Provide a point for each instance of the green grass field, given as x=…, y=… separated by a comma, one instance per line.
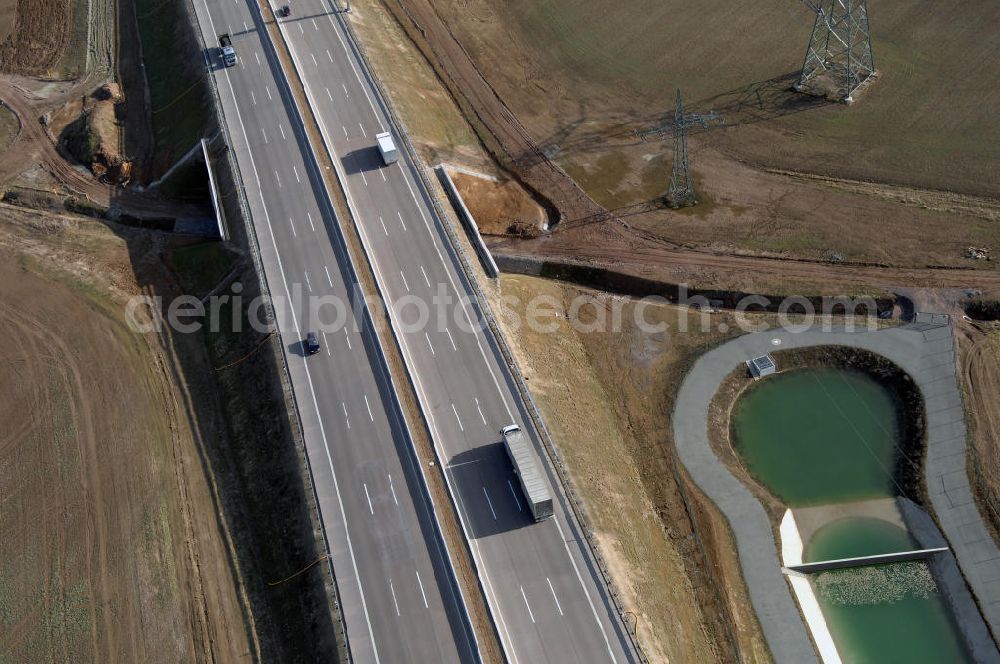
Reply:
x=573, y=69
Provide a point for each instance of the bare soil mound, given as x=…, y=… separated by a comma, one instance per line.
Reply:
x=94, y=137
x=500, y=207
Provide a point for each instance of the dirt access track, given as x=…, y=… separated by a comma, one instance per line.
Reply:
x=34, y=145
x=634, y=252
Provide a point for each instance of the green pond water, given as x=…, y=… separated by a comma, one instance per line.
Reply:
x=818, y=436
x=881, y=613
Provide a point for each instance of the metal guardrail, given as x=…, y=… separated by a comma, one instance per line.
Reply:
x=576, y=505
x=265, y=293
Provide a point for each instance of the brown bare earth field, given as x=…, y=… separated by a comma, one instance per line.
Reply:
x=499, y=207
x=979, y=364
x=111, y=550
x=606, y=396
x=7, y=10
x=574, y=70
x=40, y=33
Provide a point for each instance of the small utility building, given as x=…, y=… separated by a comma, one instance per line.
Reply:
x=761, y=366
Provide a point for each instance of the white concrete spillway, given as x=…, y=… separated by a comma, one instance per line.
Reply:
x=862, y=561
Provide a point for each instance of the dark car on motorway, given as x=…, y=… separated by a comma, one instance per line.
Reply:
x=311, y=344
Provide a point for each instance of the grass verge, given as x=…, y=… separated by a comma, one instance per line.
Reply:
x=178, y=89
x=605, y=395
x=200, y=267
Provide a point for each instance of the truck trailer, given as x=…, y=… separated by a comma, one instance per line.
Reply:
x=387, y=148
x=228, y=52
x=528, y=469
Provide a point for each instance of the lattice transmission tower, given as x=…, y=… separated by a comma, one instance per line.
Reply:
x=681, y=192
x=840, y=49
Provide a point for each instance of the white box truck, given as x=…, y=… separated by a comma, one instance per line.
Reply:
x=228, y=52
x=528, y=469
x=387, y=148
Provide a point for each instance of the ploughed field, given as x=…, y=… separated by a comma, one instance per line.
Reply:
x=109, y=548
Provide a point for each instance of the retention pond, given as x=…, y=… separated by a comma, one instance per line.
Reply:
x=822, y=436
x=817, y=436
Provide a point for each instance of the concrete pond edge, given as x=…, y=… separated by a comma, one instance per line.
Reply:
x=925, y=350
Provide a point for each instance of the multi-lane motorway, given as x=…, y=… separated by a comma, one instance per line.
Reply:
x=400, y=601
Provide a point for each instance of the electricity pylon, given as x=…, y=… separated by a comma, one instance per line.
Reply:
x=840, y=45
x=681, y=192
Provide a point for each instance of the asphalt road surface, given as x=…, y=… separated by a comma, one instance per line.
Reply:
x=399, y=599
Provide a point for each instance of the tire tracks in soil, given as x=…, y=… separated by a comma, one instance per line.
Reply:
x=58, y=356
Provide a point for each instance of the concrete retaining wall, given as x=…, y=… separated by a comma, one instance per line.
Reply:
x=213, y=187
x=951, y=585
x=471, y=227
x=805, y=595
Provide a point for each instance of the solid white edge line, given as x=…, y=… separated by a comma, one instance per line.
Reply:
x=530, y=614
x=421, y=584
